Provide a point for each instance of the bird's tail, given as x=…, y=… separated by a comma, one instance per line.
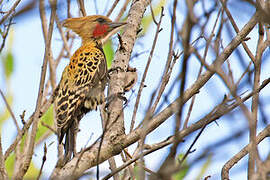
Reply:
x=70, y=142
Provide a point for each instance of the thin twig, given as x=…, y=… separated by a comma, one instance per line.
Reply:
x=254, y=154
x=145, y=71
x=43, y=160
x=168, y=67
x=10, y=111
x=3, y=171
x=249, y=53
x=27, y=125
x=65, y=43
x=112, y=8
x=200, y=71
x=12, y=9
x=247, y=149
x=172, y=153
x=49, y=127
x=190, y=147
x=122, y=10
x=81, y=6
x=29, y=147
x=5, y=33
x=215, y=114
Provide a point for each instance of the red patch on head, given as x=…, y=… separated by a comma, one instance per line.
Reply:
x=100, y=30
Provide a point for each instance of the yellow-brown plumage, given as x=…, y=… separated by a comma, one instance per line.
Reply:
x=83, y=81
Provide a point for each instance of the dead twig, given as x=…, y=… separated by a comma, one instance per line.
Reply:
x=112, y=8
x=145, y=71
x=43, y=160
x=10, y=111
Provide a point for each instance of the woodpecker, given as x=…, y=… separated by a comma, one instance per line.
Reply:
x=81, y=88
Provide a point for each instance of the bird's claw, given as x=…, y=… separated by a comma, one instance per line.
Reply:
x=112, y=97
x=122, y=97
x=117, y=69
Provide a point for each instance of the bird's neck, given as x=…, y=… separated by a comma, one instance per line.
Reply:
x=92, y=42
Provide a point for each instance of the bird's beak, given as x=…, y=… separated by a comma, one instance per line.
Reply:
x=113, y=28
x=114, y=25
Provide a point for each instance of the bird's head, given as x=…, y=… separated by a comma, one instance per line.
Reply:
x=95, y=27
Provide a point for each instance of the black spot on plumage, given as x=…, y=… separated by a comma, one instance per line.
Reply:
x=96, y=63
x=76, y=96
x=89, y=69
x=70, y=101
x=70, y=113
x=63, y=99
x=64, y=92
x=81, y=58
x=64, y=107
x=80, y=88
x=90, y=63
x=80, y=64
x=76, y=76
x=62, y=116
x=78, y=82
x=95, y=59
x=84, y=59
x=94, y=67
x=70, y=92
x=87, y=53
x=85, y=80
x=85, y=72
x=81, y=73
x=73, y=105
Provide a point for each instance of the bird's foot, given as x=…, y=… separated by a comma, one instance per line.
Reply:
x=130, y=79
x=112, y=98
x=117, y=69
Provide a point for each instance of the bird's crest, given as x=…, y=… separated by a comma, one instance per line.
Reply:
x=92, y=27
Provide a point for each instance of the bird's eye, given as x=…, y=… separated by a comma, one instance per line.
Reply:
x=100, y=20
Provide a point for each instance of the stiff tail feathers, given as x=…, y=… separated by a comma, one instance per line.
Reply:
x=70, y=142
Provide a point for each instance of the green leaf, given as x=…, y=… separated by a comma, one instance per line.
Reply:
x=183, y=171
x=10, y=164
x=148, y=19
x=204, y=168
x=8, y=62
x=47, y=118
x=109, y=52
x=136, y=171
x=31, y=173
x=4, y=115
